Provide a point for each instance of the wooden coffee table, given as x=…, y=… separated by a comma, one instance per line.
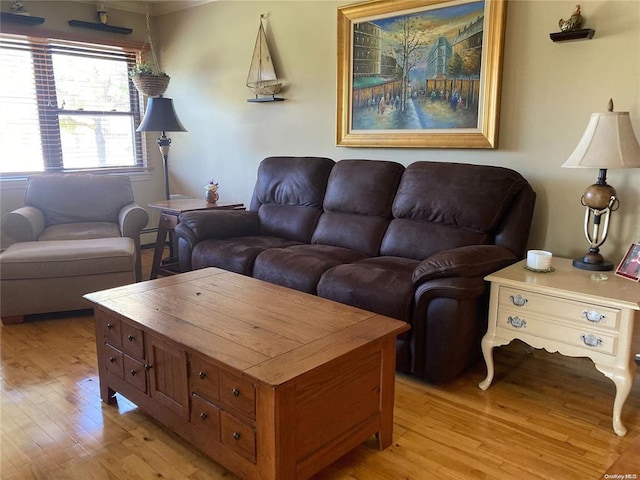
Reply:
x=270, y=382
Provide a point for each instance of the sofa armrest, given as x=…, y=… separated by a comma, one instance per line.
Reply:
x=470, y=261
x=23, y=224
x=132, y=219
x=218, y=224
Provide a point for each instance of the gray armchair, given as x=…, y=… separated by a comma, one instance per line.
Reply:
x=77, y=207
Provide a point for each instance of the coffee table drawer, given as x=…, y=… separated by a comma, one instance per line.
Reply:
x=112, y=332
x=237, y=394
x=204, y=378
x=115, y=360
x=132, y=341
x=135, y=374
x=239, y=436
x=206, y=416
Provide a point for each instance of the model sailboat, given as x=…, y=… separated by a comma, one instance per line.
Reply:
x=262, y=78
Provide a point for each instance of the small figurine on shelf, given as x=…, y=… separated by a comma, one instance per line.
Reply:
x=18, y=8
x=574, y=23
x=103, y=16
x=211, y=191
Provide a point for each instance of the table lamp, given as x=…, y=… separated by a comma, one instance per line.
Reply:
x=160, y=116
x=608, y=142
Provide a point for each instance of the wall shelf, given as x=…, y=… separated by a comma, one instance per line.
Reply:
x=21, y=19
x=582, y=34
x=100, y=26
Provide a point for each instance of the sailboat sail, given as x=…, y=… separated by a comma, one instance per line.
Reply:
x=262, y=76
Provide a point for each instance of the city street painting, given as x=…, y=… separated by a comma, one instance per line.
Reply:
x=420, y=73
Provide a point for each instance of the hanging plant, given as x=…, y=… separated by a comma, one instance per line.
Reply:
x=147, y=77
x=148, y=80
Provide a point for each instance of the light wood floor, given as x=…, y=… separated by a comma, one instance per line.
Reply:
x=544, y=417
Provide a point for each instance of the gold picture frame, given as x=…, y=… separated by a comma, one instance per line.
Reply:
x=436, y=23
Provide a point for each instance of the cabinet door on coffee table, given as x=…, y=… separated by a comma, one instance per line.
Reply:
x=168, y=375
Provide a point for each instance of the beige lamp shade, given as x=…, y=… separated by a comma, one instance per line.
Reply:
x=608, y=142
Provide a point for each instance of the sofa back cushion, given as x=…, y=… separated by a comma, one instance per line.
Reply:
x=288, y=195
x=357, y=205
x=440, y=206
x=71, y=198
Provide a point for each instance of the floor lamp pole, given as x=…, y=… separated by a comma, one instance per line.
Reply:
x=164, y=143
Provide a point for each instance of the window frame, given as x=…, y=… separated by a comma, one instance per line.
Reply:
x=41, y=44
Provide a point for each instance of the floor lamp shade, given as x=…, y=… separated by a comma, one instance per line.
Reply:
x=160, y=116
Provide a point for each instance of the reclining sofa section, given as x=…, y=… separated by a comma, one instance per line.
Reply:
x=412, y=243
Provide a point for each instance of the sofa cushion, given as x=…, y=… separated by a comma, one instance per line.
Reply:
x=288, y=195
x=379, y=284
x=68, y=198
x=80, y=231
x=357, y=205
x=301, y=266
x=234, y=254
x=67, y=258
x=447, y=205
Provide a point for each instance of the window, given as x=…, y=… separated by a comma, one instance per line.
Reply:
x=67, y=106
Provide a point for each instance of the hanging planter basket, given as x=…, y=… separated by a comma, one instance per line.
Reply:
x=151, y=85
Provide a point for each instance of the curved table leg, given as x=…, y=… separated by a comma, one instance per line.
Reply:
x=623, y=380
x=487, y=352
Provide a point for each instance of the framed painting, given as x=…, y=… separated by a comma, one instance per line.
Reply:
x=420, y=73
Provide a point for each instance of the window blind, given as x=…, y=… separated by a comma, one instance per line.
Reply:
x=67, y=106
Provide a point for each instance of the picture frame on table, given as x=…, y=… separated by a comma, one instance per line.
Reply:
x=420, y=73
x=629, y=266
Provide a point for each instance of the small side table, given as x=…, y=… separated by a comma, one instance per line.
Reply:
x=567, y=311
x=170, y=211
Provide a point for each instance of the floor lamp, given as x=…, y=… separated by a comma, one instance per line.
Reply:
x=160, y=116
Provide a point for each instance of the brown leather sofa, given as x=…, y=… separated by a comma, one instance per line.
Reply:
x=412, y=243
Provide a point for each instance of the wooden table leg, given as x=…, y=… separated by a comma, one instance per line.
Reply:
x=159, y=248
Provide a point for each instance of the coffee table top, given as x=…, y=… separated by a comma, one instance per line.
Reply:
x=269, y=332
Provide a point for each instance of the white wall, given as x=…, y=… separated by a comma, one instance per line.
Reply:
x=549, y=91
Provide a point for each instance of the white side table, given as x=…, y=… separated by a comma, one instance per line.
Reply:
x=566, y=311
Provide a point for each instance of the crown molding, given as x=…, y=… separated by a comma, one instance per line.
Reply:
x=156, y=7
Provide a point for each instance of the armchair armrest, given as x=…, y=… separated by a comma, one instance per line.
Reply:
x=470, y=261
x=132, y=218
x=23, y=224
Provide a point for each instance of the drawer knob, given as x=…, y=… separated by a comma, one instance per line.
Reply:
x=516, y=322
x=133, y=373
x=518, y=300
x=202, y=375
x=590, y=340
x=203, y=416
x=112, y=359
x=147, y=367
x=236, y=435
x=109, y=326
x=236, y=392
x=593, y=316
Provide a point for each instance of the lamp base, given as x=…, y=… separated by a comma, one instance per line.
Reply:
x=592, y=262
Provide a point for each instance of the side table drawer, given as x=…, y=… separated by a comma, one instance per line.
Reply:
x=586, y=339
x=132, y=341
x=584, y=314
